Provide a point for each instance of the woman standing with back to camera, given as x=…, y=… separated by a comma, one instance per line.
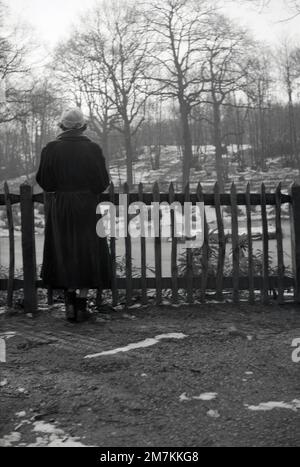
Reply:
x=73, y=168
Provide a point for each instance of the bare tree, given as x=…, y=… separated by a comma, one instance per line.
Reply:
x=88, y=85
x=224, y=72
x=13, y=68
x=258, y=91
x=116, y=47
x=32, y=127
x=290, y=74
x=292, y=6
x=179, y=28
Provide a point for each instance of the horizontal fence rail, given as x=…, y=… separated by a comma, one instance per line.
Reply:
x=259, y=282
x=208, y=199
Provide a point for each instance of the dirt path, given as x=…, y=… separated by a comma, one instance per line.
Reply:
x=192, y=390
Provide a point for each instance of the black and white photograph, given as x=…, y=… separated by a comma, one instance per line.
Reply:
x=149, y=227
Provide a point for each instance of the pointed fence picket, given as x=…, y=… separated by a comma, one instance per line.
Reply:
x=157, y=247
x=250, y=246
x=279, y=239
x=10, y=222
x=265, y=242
x=189, y=252
x=114, y=287
x=222, y=244
x=174, y=248
x=235, y=245
x=143, y=249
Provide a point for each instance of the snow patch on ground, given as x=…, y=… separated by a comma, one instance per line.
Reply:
x=47, y=435
x=207, y=396
x=267, y=406
x=51, y=437
x=9, y=440
x=139, y=345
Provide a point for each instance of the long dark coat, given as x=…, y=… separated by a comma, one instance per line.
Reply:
x=73, y=169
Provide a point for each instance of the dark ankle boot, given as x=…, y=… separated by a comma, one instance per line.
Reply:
x=70, y=303
x=82, y=313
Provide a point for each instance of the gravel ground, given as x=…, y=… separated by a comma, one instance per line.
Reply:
x=189, y=392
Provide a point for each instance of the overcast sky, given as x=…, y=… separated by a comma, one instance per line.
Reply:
x=53, y=19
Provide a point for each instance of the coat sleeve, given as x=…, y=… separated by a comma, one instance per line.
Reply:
x=100, y=178
x=45, y=177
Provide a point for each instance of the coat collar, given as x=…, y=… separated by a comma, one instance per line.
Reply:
x=72, y=135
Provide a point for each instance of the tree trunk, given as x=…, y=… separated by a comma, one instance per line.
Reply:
x=187, y=143
x=293, y=134
x=262, y=129
x=218, y=145
x=239, y=130
x=105, y=147
x=129, y=152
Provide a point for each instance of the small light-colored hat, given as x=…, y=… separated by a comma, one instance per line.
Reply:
x=73, y=119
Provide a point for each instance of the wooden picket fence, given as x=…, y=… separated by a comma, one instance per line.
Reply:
x=257, y=287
